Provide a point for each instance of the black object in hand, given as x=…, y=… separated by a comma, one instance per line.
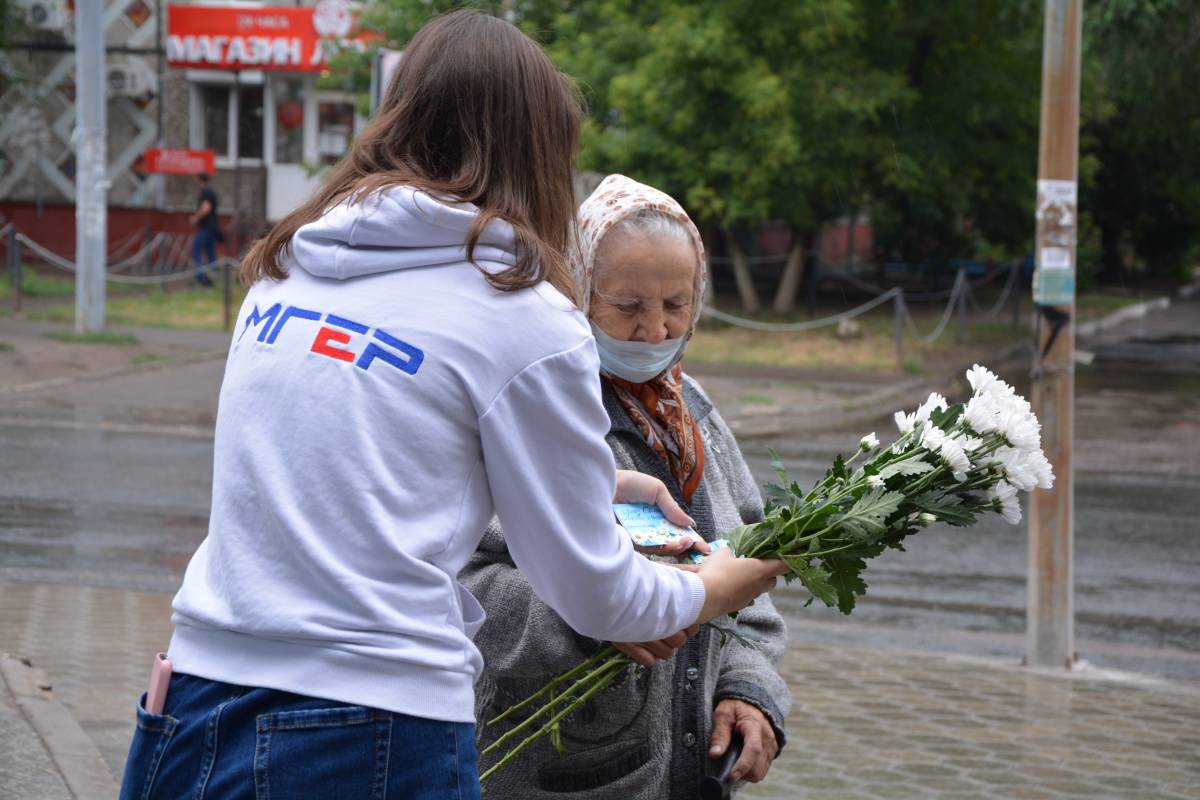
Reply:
x=717, y=783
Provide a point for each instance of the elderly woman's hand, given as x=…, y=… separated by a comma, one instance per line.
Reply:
x=649, y=653
x=637, y=487
x=759, y=744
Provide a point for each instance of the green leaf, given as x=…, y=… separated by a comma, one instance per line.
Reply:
x=777, y=465
x=866, y=519
x=911, y=465
x=838, y=471
x=845, y=577
x=946, y=506
x=947, y=416
x=814, y=578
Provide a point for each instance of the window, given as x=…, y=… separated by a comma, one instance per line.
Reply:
x=250, y=122
x=289, y=121
x=335, y=126
x=214, y=111
x=224, y=123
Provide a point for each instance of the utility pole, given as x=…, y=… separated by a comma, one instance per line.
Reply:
x=91, y=169
x=1050, y=635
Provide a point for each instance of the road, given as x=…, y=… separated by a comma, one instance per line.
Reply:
x=105, y=483
x=1137, y=504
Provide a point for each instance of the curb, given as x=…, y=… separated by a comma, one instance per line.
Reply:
x=1123, y=315
x=74, y=753
x=116, y=372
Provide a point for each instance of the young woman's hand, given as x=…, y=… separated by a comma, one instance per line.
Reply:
x=637, y=487
x=731, y=583
x=759, y=746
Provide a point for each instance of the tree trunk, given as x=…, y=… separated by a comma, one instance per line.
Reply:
x=812, y=266
x=850, y=239
x=741, y=273
x=789, y=282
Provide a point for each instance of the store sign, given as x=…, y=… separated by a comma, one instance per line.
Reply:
x=284, y=38
x=176, y=161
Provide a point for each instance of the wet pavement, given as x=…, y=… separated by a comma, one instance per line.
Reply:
x=877, y=725
x=1137, y=516
x=104, y=484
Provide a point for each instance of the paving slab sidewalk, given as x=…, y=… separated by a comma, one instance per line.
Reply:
x=44, y=753
x=865, y=723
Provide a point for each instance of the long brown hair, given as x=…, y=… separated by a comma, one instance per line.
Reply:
x=476, y=112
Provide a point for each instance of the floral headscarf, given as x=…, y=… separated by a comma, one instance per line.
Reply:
x=657, y=407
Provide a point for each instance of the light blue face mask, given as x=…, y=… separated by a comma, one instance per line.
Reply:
x=636, y=361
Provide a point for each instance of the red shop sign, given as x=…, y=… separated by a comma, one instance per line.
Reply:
x=284, y=38
x=175, y=161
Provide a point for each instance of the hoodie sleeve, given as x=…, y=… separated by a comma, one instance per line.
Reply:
x=552, y=479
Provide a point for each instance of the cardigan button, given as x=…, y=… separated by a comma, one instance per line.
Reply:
x=692, y=673
x=689, y=739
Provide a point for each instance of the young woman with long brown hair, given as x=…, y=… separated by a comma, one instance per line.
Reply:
x=408, y=361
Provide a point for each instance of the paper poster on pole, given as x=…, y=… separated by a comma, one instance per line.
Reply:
x=1054, y=279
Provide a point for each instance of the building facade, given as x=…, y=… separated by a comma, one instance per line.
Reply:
x=242, y=79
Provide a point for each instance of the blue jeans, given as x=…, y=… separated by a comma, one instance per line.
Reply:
x=216, y=740
x=204, y=246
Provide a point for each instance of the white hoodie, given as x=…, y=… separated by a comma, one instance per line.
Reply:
x=378, y=407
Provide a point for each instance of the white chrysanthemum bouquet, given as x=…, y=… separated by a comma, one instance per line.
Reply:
x=950, y=464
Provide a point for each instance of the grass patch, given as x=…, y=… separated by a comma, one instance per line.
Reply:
x=146, y=358
x=100, y=337
x=191, y=308
x=756, y=399
x=6, y=347
x=872, y=351
x=35, y=285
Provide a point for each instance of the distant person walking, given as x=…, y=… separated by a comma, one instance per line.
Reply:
x=208, y=232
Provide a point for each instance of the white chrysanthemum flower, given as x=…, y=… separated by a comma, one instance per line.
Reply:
x=927, y=519
x=981, y=414
x=875, y=482
x=1004, y=500
x=953, y=453
x=935, y=440
x=1021, y=430
x=969, y=444
x=932, y=437
x=905, y=422
x=1016, y=468
x=935, y=402
x=869, y=442
x=1042, y=471
x=981, y=379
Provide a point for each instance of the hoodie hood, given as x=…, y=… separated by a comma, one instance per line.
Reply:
x=394, y=229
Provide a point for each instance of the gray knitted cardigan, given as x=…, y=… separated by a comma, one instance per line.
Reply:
x=647, y=735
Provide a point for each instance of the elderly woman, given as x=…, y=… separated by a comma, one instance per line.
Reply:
x=641, y=279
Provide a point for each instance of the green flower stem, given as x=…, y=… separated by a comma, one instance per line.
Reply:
x=618, y=660
x=550, y=723
x=604, y=654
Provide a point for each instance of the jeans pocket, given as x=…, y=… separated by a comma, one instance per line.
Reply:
x=322, y=753
x=150, y=740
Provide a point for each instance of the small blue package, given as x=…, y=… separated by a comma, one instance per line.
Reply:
x=649, y=528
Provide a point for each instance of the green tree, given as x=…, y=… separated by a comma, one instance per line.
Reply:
x=965, y=152
x=1145, y=198
x=746, y=112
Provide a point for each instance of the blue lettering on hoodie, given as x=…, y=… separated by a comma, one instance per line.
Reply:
x=333, y=343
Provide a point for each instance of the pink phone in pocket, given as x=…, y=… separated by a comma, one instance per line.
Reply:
x=160, y=678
